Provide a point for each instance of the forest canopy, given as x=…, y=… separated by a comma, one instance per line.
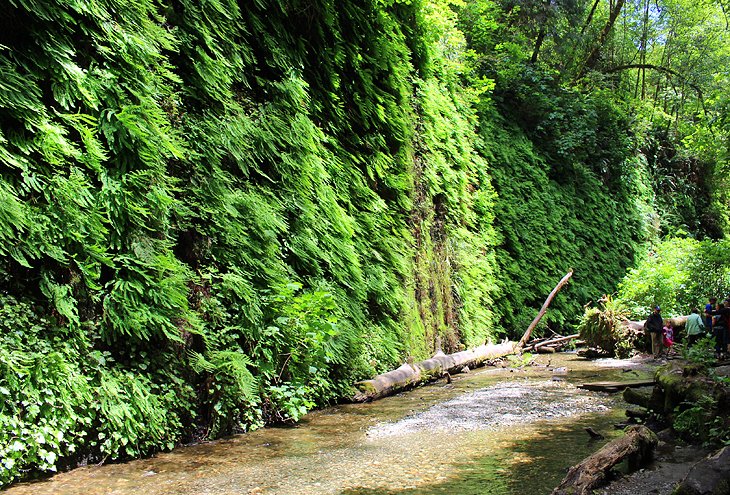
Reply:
x=217, y=215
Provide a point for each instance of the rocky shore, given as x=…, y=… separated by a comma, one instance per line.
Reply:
x=689, y=409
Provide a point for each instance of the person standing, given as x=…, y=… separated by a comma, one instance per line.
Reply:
x=694, y=326
x=668, y=337
x=654, y=325
x=709, y=308
x=719, y=328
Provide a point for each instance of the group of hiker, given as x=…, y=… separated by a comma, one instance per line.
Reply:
x=716, y=322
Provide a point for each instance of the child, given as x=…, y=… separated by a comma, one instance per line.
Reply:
x=668, y=337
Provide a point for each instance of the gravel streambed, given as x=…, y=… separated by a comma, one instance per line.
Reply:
x=497, y=406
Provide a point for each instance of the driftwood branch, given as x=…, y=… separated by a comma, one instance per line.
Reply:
x=535, y=346
x=544, y=308
x=637, y=446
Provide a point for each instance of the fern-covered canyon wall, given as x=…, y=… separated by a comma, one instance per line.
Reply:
x=216, y=215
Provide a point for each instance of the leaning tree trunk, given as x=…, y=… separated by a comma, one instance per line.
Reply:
x=544, y=308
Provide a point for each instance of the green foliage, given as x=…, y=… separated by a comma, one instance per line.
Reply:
x=680, y=273
x=172, y=169
x=231, y=390
x=603, y=327
x=61, y=399
x=701, y=353
x=213, y=217
x=571, y=155
x=453, y=217
x=700, y=421
x=551, y=218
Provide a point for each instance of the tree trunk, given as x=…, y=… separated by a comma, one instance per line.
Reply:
x=637, y=445
x=544, y=308
x=590, y=17
x=410, y=375
x=593, y=56
x=538, y=44
x=551, y=342
x=542, y=32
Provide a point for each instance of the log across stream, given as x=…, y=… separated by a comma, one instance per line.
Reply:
x=493, y=430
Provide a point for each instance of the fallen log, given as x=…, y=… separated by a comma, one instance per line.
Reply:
x=678, y=323
x=636, y=446
x=558, y=340
x=546, y=350
x=410, y=375
x=543, y=309
x=535, y=345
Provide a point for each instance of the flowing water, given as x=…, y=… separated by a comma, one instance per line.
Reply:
x=492, y=431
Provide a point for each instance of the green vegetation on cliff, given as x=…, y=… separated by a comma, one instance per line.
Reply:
x=215, y=215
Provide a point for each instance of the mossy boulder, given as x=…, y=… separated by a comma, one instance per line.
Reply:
x=678, y=384
x=640, y=397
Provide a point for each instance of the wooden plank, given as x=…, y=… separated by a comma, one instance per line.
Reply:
x=615, y=386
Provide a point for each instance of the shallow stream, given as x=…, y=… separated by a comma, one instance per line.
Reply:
x=493, y=431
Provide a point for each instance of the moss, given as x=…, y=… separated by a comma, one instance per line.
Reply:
x=679, y=388
x=366, y=387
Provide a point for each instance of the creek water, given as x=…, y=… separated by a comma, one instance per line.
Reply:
x=496, y=431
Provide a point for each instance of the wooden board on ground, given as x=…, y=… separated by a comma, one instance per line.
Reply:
x=615, y=386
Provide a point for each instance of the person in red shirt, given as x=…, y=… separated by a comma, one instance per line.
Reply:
x=668, y=336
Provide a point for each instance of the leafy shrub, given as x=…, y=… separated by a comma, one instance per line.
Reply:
x=62, y=400
x=604, y=327
x=232, y=397
x=701, y=353
x=700, y=421
x=305, y=352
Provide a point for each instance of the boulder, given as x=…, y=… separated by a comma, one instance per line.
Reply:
x=710, y=476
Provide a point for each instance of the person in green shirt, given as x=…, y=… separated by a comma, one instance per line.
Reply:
x=694, y=326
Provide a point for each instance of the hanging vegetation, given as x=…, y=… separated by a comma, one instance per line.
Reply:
x=217, y=215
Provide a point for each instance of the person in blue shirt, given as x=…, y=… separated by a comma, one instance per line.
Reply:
x=709, y=308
